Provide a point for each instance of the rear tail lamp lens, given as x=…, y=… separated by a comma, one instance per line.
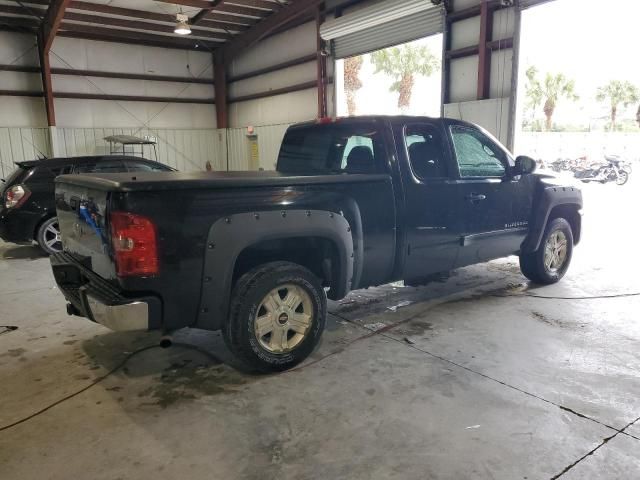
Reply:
x=16, y=196
x=135, y=245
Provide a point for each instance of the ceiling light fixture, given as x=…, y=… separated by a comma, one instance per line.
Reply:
x=182, y=25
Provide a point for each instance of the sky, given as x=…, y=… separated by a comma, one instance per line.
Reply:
x=591, y=41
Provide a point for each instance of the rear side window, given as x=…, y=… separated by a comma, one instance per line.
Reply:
x=426, y=151
x=145, y=167
x=107, y=166
x=14, y=176
x=332, y=149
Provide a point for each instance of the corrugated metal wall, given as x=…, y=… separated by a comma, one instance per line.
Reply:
x=186, y=150
x=269, y=139
x=18, y=144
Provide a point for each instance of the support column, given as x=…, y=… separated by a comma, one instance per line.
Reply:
x=321, y=63
x=484, y=50
x=45, y=70
x=220, y=85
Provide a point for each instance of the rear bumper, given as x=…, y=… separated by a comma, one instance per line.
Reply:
x=15, y=227
x=93, y=297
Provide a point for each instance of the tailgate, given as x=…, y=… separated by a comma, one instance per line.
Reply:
x=82, y=216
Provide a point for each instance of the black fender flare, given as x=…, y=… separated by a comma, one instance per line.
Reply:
x=230, y=235
x=549, y=198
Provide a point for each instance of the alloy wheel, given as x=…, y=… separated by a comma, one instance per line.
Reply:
x=283, y=319
x=555, y=251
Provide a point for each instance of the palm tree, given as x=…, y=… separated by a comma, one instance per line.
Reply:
x=352, y=81
x=403, y=64
x=533, y=91
x=618, y=92
x=551, y=90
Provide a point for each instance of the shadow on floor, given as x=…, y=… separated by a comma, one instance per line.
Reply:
x=197, y=365
x=23, y=252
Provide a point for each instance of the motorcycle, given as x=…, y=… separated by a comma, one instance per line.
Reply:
x=622, y=163
x=611, y=171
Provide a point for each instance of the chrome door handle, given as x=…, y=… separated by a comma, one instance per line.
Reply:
x=475, y=197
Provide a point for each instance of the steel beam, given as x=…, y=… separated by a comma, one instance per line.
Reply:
x=220, y=85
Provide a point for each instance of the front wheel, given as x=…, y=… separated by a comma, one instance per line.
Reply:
x=277, y=315
x=48, y=236
x=551, y=261
x=622, y=178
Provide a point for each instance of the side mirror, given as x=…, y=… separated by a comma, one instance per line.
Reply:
x=524, y=166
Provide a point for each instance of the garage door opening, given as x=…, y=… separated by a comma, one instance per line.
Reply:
x=579, y=91
x=404, y=79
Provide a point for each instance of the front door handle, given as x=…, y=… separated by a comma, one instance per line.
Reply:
x=475, y=197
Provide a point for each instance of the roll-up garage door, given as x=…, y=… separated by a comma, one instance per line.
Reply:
x=524, y=4
x=382, y=25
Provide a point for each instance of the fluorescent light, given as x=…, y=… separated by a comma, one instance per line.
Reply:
x=182, y=27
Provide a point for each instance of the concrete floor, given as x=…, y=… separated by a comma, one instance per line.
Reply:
x=475, y=378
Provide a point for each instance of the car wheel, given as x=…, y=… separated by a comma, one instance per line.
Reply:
x=48, y=236
x=551, y=261
x=277, y=315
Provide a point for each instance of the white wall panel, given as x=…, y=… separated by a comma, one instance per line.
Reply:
x=465, y=33
x=289, y=108
x=135, y=59
x=294, y=43
x=186, y=150
x=18, y=144
x=279, y=79
x=491, y=114
x=19, y=49
x=501, y=72
x=464, y=79
x=504, y=23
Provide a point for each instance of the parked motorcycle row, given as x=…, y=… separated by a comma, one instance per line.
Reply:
x=612, y=169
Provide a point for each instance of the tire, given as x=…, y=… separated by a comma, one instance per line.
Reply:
x=48, y=236
x=623, y=177
x=284, y=342
x=533, y=266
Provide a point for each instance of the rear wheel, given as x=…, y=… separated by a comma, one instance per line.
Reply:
x=277, y=315
x=48, y=236
x=551, y=261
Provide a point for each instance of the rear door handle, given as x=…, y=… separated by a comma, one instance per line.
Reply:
x=475, y=197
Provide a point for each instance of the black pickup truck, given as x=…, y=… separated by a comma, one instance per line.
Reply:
x=354, y=203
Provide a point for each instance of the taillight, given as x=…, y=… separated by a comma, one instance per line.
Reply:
x=134, y=244
x=15, y=196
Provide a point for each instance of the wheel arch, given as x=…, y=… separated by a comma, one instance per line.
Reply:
x=554, y=202
x=318, y=240
x=46, y=216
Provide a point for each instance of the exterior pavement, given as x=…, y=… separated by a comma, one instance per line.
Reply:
x=476, y=377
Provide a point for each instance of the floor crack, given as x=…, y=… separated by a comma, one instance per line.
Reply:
x=594, y=450
x=383, y=332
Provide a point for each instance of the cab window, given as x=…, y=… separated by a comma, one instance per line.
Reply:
x=332, y=149
x=426, y=151
x=477, y=155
